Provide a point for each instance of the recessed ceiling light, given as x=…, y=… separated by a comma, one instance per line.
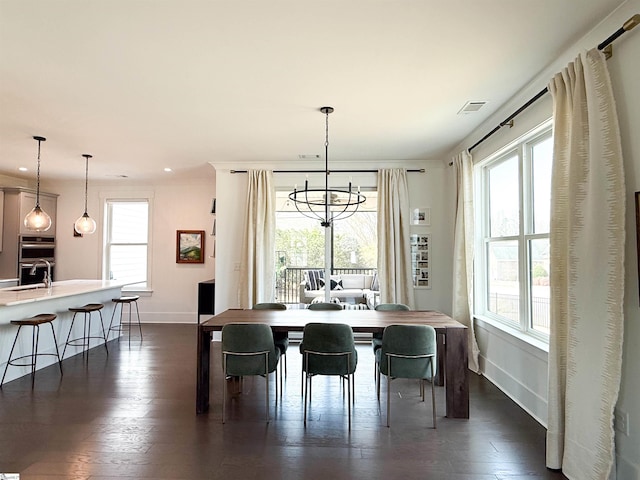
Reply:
x=23, y=169
x=167, y=169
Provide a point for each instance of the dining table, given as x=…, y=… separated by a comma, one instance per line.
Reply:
x=452, y=343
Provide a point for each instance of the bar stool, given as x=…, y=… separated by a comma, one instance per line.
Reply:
x=120, y=327
x=85, y=340
x=34, y=322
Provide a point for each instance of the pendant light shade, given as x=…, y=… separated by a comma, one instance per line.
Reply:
x=37, y=219
x=85, y=224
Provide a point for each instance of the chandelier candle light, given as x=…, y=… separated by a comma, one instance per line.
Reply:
x=326, y=204
x=85, y=224
x=37, y=219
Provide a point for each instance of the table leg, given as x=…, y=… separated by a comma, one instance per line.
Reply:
x=439, y=380
x=203, y=370
x=456, y=373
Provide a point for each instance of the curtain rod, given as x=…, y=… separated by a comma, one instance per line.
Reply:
x=628, y=25
x=420, y=170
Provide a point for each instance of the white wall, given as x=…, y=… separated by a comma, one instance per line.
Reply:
x=518, y=368
x=429, y=189
x=175, y=206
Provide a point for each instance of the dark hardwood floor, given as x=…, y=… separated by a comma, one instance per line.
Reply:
x=131, y=414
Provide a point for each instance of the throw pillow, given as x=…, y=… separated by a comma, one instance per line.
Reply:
x=313, y=279
x=335, y=285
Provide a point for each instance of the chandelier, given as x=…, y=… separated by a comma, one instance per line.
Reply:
x=327, y=204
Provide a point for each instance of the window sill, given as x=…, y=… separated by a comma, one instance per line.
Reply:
x=511, y=334
x=142, y=292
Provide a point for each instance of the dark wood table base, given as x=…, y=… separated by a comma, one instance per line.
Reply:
x=452, y=344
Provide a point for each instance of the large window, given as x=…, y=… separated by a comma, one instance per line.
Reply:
x=127, y=241
x=300, y=244
x=513, y=207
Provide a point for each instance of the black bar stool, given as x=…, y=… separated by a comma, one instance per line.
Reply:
x=122, y=301
x=85, y=340
x=34, y=322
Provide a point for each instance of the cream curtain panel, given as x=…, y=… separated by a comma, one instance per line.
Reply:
x=463, y=239
x=587, y=270
x=394, y=255
x=257, y=276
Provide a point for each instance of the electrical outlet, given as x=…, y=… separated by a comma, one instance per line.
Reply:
x=621, y=421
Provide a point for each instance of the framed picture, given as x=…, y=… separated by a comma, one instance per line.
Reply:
x=420, y=261
x=421, y=216
x=190, y=246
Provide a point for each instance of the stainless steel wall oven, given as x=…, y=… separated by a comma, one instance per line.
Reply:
x=31, y=250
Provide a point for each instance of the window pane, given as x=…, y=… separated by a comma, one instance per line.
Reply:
x=355, y=241
x=504, y=198
x=540, y=292
x=129, y=222
x=503, y=292
x=542, y=158
x=128, y=263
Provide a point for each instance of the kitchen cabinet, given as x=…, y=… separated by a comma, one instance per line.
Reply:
x=18, y=202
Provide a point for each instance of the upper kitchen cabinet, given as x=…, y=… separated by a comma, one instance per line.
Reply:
x=19, y=202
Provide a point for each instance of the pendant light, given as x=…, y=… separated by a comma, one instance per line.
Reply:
x=85, y=224
x=37, y=219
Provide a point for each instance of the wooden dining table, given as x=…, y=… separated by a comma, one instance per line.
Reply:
x=452, y=343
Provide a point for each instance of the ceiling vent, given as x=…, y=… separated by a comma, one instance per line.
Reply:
x=471, y=107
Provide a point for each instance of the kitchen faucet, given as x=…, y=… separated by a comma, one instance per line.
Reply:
x=47, y=275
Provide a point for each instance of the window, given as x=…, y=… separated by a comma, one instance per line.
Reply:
x=127, y=241
x=300, y=244
x=513, y=208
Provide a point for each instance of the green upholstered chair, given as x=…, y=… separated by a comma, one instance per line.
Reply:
x=281, y=339
x=328, y=349
x=407, y=351
x=324, y=306
x=248, y=349
x=376, y=341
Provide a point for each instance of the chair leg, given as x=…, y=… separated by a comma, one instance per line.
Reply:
x=224, y=386
x=35, y=337
x=388, y=401
x=55, y=342
x=433, y=394
x=266, y=407
x=73, y=319
x=111, y=327
x=10, y=355
x=138, y=314
x=104, y=333
x=349, y=399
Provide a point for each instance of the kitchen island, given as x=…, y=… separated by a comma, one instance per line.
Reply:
x=22, y=302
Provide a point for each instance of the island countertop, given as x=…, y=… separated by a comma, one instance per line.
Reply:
x=32, y=293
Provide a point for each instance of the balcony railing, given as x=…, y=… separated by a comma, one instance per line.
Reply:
x=508, y=306
x=288, y=280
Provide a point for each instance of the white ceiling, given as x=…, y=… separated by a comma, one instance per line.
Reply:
x=142, y=85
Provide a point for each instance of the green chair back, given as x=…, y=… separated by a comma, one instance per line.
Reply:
x=325, y=306
x=240, y=339
x=269, y=306
x=392, y=307
x=326, y=338
x=408, y=340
